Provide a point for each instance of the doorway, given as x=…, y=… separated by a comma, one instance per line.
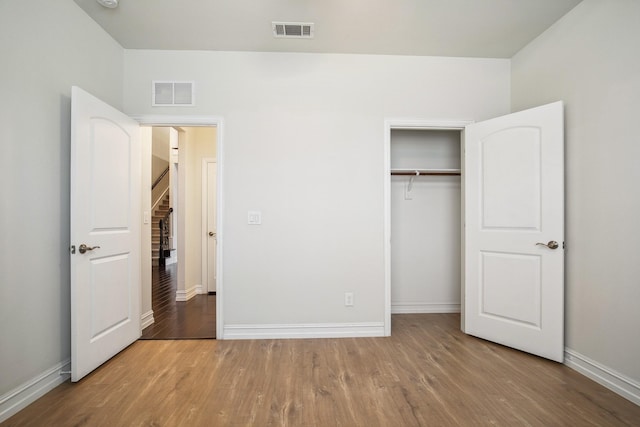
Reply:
x=512, y=199
x=425, y=221
x=181, y=302
x=444, y=150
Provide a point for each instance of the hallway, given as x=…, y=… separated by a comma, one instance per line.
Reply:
x=193, y=319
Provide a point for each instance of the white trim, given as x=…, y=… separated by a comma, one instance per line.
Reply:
x=176, y=120
x=603, y=375
x=313, y=330
x=409, y=124
x=219, y=232
x=418, y=124
x=187, y=294
x=27, y=393
x=388, y=124
x=424, y=307
x=218, y=122
x=146, y=319
x=172, y=259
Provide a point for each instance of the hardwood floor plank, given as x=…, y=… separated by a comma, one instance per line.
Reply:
x=193, y=319
x=426, y=374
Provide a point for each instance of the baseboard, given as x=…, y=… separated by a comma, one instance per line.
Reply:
x=187, y=294
x=20, y=397
x=315, y=330
x=146, y=319
x=614, y=381
x=423, y=307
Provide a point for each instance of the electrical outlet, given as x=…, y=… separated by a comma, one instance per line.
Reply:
x=348, y=299
x=254, y=217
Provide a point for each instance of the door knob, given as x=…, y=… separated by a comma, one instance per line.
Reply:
x=84, y=248
x=211, y=234
x=551, y=245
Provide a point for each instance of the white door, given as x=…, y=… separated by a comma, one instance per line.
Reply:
x=105, y=215
x=514, y=230
x=209, y=201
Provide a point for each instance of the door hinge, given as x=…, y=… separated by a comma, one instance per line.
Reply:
x=562, y=245
x=72, y=249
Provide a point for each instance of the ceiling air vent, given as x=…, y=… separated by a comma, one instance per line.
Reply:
x=172, y=94
x=295, y=30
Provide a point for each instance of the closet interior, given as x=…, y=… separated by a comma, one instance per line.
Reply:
x=425, y=220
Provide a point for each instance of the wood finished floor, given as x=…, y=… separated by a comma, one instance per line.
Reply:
x=193, y=319
x=426, y=374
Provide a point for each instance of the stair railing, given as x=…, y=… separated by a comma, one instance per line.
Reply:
x=157, y=181
x=165, y=249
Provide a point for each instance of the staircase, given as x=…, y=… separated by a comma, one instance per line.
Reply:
x=161, y=210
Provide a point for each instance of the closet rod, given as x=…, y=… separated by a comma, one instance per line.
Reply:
x=409, y=173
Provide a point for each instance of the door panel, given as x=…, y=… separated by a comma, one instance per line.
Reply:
x=503, y=301
x=105, y=215
x=110, y=198
x=109, y=282
x=510, y=175
x=514, y=199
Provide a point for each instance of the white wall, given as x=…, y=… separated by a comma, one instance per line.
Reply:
x=158, y=165
x=304, y=143
x=161, y=142
x=590, y=59
x=46, y=47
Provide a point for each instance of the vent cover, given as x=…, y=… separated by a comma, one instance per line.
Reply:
x=172, y=94
x=295, y=30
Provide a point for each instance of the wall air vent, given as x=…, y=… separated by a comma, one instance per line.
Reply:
x=173, y=94
x=293, y=30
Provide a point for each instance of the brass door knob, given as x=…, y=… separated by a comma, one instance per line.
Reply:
x=84, y=248
x=211, y=234
x=551, y=245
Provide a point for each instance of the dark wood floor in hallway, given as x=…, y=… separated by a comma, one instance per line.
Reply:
x=193, y=319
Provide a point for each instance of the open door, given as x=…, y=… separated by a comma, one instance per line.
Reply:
x=514, y=231
x=210, y=207
x=105, y=232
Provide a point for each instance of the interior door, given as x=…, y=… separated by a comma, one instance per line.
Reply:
x=514, y=231
x=105, y=232
x=211, y=174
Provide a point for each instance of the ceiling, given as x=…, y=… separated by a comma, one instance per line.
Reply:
x=466, y=28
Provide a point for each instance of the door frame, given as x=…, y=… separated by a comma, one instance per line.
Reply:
x=410, y=124
x=205, y=211
x=218, y=123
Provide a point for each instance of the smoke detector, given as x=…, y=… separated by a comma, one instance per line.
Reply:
x=111, y=4
x=293, y=30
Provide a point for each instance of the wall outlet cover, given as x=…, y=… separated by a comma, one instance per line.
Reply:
x=254, y=217
x=348, y=299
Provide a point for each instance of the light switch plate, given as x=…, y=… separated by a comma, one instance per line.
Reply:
x=254, y=217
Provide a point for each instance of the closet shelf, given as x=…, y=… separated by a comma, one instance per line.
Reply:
x=420, y=172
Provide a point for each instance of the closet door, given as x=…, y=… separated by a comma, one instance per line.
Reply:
x=514, y=231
